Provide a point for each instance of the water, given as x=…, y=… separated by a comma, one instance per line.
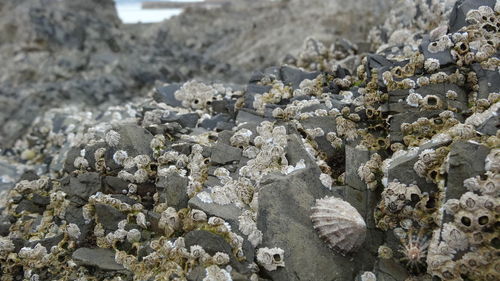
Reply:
x=130, y=11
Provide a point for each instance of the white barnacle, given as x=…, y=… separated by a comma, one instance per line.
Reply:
x=73, y=231
x=141, y=220
x=220, y=258
x=368, y=276
x=133, y=235
x=198, y=215
x=431, y=65
x=119, y=156
x=112, y=138
x=215, y=273
x=413, y=99
x=81, y=163
x=6, y=246
x=326, y=180
x=271, y=259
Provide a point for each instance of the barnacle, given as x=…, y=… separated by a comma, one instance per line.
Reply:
x=270, y=259
x=339, y=224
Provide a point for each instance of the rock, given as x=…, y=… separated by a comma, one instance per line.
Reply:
x=213, y=243
x=114, y=185
x=81, y=187
x=444, y=57
x=488, y=81
x=293, y=76
x=390, y=270
x=29, y=206
x=166, y=94
x=283, y=218
x=108, y=216
x=459, y=12
x=229, y=212
x=466, y=159
x=251, y=91
x=134, y=139
x=295, y=152
x=48, y=243
x=354, y=158
x=4, y=226
x=74, y=215
x=173, y=190
x=224, y=154
x=219, y=122
x=491, y=125
x=188, y=120
x=101, y=258
x=197, y=274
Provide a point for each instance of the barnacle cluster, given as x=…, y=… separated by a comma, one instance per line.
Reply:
x=385, y=135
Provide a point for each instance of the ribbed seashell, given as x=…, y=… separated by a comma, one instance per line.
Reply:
x=339, y=224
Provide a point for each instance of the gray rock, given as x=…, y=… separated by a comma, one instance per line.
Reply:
x=390, y=270
x=224, y=154
x=197, y=274
x=444, y=57
x=29, y=206
x=188, y=120
x=283, y=217
x=354, y=158
x=229, y=212
x=101, y=258
x=488, y=81
x=74, y=215
x=295, y=152
x=108, y=216
x=48, y=243
x=172, y=189
x=218, y=122
x=134, y=139
x=293, y=76
x=490, y=126
x=466, y=159
x=166, y=94
x=252, y=90
x=459, y=12
x=81, y=187
x=4, y=226
x=213, y=243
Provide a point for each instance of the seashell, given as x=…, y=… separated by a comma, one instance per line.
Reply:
x=339, y=224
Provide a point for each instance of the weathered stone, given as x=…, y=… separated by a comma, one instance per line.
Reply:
x=213, y=243
x=166, y=94
x=48, y=243
x=81, y=187
x=390, y=270
x=466, y=159
x=296, y=152
x=219, y=122
x=108, y=216
x=354, y=158
x=283, y=217
x=460, y=10
x=4, y=226
x=293, y=76
x=488, y=81
x=444, y=57
x=224, y=154
x=188, y=120
x=29, y=206
x=101, y=258
x=173, y=190
x=229, y=212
